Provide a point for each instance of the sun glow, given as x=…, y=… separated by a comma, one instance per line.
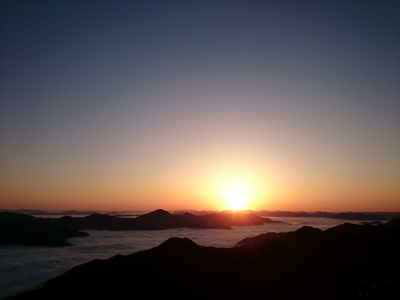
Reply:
x=236, y=195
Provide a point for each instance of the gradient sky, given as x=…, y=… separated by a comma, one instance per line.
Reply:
x=154, y=104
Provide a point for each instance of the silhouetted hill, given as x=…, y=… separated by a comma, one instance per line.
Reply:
x=95, y=221
x=31, y=231
x=9, y=217
x=387, y=230
x=161, y=219
x=394, y=223
x=373, y=216
x=346, y=262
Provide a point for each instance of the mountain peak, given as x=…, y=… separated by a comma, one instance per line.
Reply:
x=176, y=242
x=158, y=212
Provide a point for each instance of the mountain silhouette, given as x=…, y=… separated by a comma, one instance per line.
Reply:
x=32, y=231
x=9, y=217
x=345, y=262
x=161, y=219
x=28, y=230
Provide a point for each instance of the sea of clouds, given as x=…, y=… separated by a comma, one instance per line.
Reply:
x=25, y=268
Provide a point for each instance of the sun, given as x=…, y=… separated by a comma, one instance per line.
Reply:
x=236, y=195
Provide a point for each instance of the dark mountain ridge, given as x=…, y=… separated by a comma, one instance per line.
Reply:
x=28, y=230
x=359, y=216
x=31, y=231
x=155, y=220
x=345, y=262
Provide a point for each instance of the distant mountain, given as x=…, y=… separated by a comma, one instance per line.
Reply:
x=37, y=212
x=388, y=230
x=161, y=219
x=9, y=217
x=26, y=230
x=371, y=216
x=346, y=262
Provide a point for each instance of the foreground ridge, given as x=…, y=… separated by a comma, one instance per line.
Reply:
x=345, y=262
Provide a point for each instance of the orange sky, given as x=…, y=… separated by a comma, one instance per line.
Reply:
x=146, y=105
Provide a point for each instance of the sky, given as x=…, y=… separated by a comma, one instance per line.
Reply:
x=115, y=105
